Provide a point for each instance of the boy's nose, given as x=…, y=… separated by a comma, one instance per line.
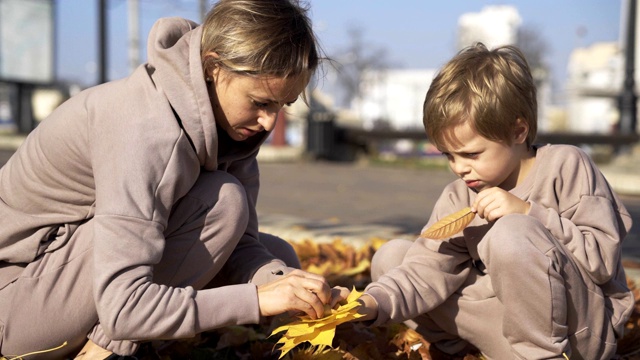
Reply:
x=459, y=167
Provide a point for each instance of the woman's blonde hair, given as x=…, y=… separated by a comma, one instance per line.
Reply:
x=260, y=38
x=489, y=89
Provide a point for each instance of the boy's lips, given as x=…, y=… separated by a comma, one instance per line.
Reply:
x=472, y=183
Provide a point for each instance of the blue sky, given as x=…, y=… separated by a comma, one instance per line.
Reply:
x=414, y=33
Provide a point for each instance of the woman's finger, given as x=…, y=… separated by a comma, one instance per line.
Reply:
x=314, y=306
x=314, y=283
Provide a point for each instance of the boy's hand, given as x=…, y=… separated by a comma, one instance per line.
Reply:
x=368, y=307
x=493, y=203
x=338, y=294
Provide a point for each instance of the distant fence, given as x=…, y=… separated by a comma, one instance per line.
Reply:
x=327, y=140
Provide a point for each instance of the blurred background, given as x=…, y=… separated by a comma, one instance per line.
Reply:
x=368, y=99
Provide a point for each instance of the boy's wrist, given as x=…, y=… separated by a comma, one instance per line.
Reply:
x=368, y=307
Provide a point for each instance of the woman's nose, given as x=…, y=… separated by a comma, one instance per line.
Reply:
x=268, y=120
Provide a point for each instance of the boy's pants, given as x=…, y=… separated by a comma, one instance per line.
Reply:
x=50, y=301
x=533, y=302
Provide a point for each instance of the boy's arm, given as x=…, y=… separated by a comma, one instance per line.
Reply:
x=580, y=209
x=368, y=307
x=431, y=271
x=593, y=233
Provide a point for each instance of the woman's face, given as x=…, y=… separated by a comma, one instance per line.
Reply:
x=245, y=106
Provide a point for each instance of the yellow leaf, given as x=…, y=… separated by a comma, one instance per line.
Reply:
x=449, y=225
x=318, y=332
x=320, y=270
x=364, y=265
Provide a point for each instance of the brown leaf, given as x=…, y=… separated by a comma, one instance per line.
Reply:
x=449, y=225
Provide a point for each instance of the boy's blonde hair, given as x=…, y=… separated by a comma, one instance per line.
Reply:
x=490, y=89
x=260, y=38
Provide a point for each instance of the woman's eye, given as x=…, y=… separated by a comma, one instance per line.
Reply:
x=260, y=104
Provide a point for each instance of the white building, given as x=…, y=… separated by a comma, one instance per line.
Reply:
x=595, y=79
x=394, y=98
x=494, y=26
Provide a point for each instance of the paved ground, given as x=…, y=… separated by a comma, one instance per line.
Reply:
x=356, y=202
x=330, y=199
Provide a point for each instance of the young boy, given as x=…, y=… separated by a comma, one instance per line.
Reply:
x=537, y=273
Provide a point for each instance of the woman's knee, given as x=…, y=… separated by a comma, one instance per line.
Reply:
x=214, y=187
x=280, y=249
x=388, y=256
x=222, y=198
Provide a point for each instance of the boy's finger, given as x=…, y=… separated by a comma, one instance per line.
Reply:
x=338, y=294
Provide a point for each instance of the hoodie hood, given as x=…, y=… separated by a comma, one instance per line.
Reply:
x=175, y=66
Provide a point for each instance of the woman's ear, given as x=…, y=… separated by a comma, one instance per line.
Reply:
x=210, y=66
x=520, y=131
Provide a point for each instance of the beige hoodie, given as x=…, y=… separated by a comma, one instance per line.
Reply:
x=115, y=153
x=568, y=195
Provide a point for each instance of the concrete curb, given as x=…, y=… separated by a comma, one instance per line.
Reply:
x=624, y=178
x=11, y=141
x=623, y=181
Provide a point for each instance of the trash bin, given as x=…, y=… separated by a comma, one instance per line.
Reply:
x=320, y=135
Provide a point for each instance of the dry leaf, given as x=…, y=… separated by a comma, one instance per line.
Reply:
x=449, y=225
x=318, y=332
x=409, y=341
x=20, y=357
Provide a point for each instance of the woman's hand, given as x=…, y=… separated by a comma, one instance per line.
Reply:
x=493, y=203
x=298, y=291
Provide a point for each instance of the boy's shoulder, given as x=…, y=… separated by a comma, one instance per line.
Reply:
x=562, y=154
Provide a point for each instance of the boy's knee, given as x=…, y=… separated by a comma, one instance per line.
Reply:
x=388, y=256
x=512, y=238
x=513, y=225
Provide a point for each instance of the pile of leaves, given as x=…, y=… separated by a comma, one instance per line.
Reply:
x=343, y=265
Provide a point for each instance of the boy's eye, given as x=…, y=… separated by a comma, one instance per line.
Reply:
x=447, y=155
x=471, y=155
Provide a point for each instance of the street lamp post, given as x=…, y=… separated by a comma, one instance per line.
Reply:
x=628, y=98
x=102, y=42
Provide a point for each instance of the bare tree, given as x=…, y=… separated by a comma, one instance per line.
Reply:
x=354, y=61
x=535, y=48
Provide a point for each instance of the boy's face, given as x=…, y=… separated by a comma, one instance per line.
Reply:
x=483, y=163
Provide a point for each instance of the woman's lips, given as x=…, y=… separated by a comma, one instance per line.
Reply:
x=247, y=132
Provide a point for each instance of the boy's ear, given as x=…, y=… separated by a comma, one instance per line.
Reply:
x=520, y=131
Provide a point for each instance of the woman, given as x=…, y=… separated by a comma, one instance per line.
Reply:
x=132, y=196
